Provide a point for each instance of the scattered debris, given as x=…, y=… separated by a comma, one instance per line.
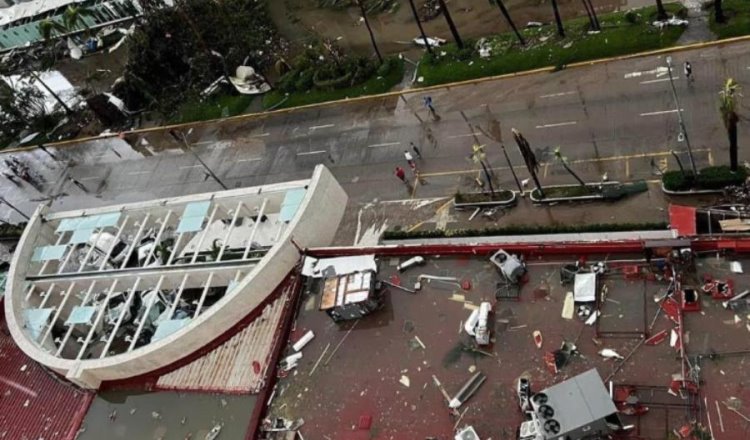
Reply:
x=467, y=433
x=568, y=306
x=537, y=338
x=673, y=21
x=718, y=411
x=477, y=324
x=608, y=353
x=213, y=434
x=340, y=342
x=411, y=262
x=404, y=380
x=419, y=341
x=300, y=344
x=290, y=362
x=735, y=267
x=470, y=387
x=432, y=41
x=657, y=338
x=440, y=387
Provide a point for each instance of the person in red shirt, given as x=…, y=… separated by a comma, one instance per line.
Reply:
x=400, y=174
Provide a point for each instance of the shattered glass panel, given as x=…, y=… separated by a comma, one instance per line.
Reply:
x=68, y=224
x=46, y=253
x=81, y=236
x=35, y=320
x=190, y=224
x=196, y=209
x=81, y=315
x=290, y=205
x=168, y=327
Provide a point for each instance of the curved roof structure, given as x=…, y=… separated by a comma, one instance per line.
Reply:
x=116, y=292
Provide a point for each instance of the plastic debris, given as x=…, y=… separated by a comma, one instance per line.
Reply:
x=470, y=387
x=538, y=341
x=300, y=344
x=404, y=380
x=608, y=353
x=658, y=338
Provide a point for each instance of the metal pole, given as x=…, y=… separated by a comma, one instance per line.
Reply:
x=208, y=170
x=2, y=200
x=683, y=130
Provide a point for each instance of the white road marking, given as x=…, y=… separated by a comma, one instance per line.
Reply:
x=461, y=136
x=308, y=153
x=658, y=80
x=387, y=144
x=260, y=135
x=663, y=112
x=555, y=95
x=559, y=124
x=250, y=159
x=315, y=127
x=89, y=178
x=140, y=172
x=659, y=71
x=190, y=166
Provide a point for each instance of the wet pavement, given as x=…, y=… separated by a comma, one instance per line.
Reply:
x=166, y=415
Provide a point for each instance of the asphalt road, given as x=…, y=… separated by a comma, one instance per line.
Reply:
x=609, y=118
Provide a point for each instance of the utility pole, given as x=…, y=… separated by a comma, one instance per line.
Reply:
x=9, y=205
x=208, y=170
x=683, y=130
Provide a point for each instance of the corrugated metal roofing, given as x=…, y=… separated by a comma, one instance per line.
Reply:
x=34, y=404
x=229, y=367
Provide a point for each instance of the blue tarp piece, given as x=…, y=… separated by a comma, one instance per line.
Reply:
x=46, y=253
x=290, y=205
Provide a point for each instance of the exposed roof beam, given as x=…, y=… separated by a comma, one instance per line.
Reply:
x=204, y=233
x=136, y=239
x=106, y=258
x=57, y=313
x=175, y=249
x=143, y=317
x=45, y=296
x=261, y=211
x=71, y=327
x=97, y=320
x=158, y=237
x=91, y=250
x=228, y=235
x=120, y=318
x=177, y=297
x=203, y=295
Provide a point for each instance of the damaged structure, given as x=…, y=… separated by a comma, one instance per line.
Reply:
x=112, y=293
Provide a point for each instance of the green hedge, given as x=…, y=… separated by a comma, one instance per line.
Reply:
x=708, y=178
x=737, y=13
x=524, y=230
x=11, y=231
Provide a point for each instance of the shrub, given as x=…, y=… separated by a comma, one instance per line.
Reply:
x=523, y=230
x=388, y=65
x=304, y=81
x=708, y=178
x=631, y=17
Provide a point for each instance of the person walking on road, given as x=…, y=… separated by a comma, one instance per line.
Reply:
x=400, y=174
x=410, y=160
x=428, y=104
x=688, y=71
x=416, y=150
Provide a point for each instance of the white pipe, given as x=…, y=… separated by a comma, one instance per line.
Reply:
x=114, y=242
x=70, y=327
x=255, y=228
x=95, y=324
x=57, y=313
x=229, y=231
x=136, y=239
x=143, y=317
x=203, y=235
x=203, y=295
x=120, y=318
x=158, y=237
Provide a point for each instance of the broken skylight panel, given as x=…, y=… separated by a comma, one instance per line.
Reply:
x=35, y=320
x=290, y=205
x=81, y=315
x=192, y=218
x=47, y=253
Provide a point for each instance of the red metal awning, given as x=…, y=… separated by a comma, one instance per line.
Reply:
x=682, y=218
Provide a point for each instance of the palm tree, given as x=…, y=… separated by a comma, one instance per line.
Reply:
x=419, y=25
x=451, y=25
x=661, y=13
x=719, y=12
x=369, y=29
x=506, y=14
x=73, y=17
x=48, y=27
x=478, y=156
x=529, y=158
x=728, y=102
x=560, y=158
x=558, y=20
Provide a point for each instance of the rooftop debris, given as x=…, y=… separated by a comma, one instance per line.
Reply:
x=470, y=387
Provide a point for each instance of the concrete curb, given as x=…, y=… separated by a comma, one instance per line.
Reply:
x=691, y=192
x=599, y=196
x=251, y=116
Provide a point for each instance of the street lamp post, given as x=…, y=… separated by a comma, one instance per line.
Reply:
x=9, y=205
x=208, y=170
x=683, y=130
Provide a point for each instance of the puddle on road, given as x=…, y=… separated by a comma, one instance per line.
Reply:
x=166, y=415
